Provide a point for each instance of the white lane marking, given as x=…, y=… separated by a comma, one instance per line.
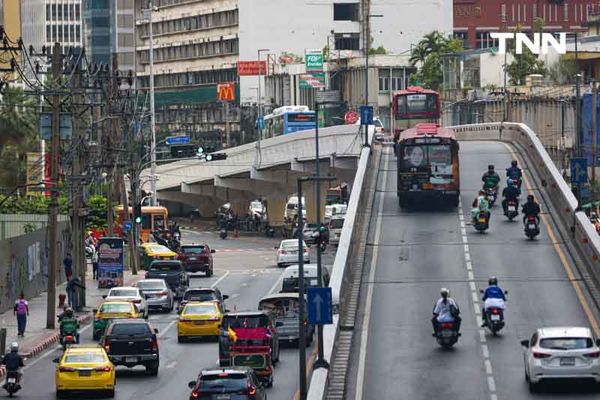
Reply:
x=225, y=275
x=463, y=231
x=275, y=285
x=476, y=307
x=163, y=333
x=364, y=337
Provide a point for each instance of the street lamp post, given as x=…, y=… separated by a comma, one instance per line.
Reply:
x=367, y=48
x=259, y=99
x=151, y=9
x=578, y=130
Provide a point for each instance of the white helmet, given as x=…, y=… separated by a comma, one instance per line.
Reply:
x=444, y=292
x=14, y=347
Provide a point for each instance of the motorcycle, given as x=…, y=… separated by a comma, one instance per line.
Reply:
x=511, y=209
x=68, y=339
x=494, y=318
x=482, y=222
x=447, y=335
x=12, y=384
x=223, y=233
x=532, y=227
x=491, y=194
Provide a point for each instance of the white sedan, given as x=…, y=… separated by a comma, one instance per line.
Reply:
x=129, y=293
x=287, y=252
x=561, y=353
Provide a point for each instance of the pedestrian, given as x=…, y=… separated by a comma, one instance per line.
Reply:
x=72, y=286
x=21, y=311
x=95, y=265
x=68, y=263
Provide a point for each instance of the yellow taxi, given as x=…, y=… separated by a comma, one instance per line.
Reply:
x=199, y=319
x=154, y=251
x=84, y=369
x=109, y=310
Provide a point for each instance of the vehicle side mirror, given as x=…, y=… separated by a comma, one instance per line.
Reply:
x=192, y=384
x=56, y=360
x=94, y=310
x=212, y=251
x=104, y=296
x=155, y=330
x=225, y=297
x=278, y=324
x=525, y=343
x=480, y=290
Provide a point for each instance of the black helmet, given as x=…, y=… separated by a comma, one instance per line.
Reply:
x=491, y=167
x=530, y=198
x=493, y=281
x=513, y=163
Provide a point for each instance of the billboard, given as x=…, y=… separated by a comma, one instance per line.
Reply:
x=34, y=170
x=226, y=91
x=251, y=68
x=110, y=262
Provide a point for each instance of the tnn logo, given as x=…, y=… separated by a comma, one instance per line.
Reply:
x=540, y=44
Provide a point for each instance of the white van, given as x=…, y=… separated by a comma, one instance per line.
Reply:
x=334, y=209
x=289, y=281
x=336, y=223
x=291, y=208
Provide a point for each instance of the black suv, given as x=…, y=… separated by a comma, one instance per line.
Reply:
x=132, y=342
x=227, y=383
x=173, y=272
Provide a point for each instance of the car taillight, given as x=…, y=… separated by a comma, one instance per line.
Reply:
x=306, y=250
x=154, y=345
x=446, y=325
x=282, y=252
x=162, y=293
x=102, y=369
x=66, y=369
x=106, y=345
x=540, y=355
x=251, y=390
x=195, y=394
x=595, y=354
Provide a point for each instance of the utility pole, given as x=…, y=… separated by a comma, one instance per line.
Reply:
x=152, y=112
x=53, y=208
x=594, y=138
x=77, y=221
x=578, y=130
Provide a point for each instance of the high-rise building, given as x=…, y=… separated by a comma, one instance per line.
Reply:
x=474, y=20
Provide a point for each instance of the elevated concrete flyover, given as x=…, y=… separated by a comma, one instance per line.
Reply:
x=269, y=170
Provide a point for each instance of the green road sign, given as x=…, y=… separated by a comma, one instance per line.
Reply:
x=314, y=62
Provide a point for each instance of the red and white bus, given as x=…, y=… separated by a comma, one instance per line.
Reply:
x=413, y=106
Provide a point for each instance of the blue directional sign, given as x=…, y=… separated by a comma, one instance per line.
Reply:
x=171, y=140
x=366, y=115
x=579, y=173
x=319, y=306
x=260, y=122
x=127, y=225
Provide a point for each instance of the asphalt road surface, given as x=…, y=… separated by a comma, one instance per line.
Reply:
x=417, y=253
x=245, y=269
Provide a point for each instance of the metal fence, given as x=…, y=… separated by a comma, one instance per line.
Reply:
x=13, y=225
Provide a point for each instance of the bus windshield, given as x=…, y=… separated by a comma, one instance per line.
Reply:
x=416, y=104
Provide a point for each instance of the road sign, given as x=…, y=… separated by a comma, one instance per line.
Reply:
x=127, y=225
x=172, y=140
x=251, y=68
x=226, y=91
x=319, y=306
x=350, y=117
x=579, y=173
x=260, y=122
x=366, y=115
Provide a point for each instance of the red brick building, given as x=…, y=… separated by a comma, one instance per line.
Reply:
x=475, y=19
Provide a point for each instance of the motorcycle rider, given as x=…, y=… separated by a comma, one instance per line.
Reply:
x=493, y=297
x=531, y=209
x=510, y=192
x=515, y=173
x=445, y=310
x=490, y=179
x=13, y=361
x=69, y=324
x=480, y=204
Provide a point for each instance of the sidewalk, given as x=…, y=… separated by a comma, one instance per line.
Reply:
x=37, y=338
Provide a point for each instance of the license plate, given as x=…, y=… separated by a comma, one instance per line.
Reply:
x=511, y=208
x=495, y=317
x=198, y=322
x=130, y=359
x=567, y=361
x=85, y=372
x=192, y=258
x=482, y=220
x=531, y=226
x=223, y=397
x=12, y=380
x=447, y=334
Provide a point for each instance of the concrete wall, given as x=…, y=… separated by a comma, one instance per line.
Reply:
x=24, y=264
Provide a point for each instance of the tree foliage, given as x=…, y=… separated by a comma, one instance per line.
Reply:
x=428, y=53
x=526, y=63
x=563, y=71
x=98, y=206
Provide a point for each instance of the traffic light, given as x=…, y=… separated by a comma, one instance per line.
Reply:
x=184, y=151
x=137, y=213
x=216, y=156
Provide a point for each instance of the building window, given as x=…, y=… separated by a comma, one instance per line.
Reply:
x=503, y=12
x=345, y=11
x=48, y=12
x=484, y=41
x=524, y=12
x=77, y=33
x=463, y=37
x=48, y=33
x=77, y=12
x=60, y=12
x=533, y=11
x=384, y=80
x=566, y=12
x=347, y=41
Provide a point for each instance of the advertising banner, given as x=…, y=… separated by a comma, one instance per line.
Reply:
x=110, y=262
x=251, y=68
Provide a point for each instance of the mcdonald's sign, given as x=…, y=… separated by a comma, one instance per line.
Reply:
x=226, y=91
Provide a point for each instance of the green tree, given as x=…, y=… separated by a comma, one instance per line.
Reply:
x=428, y=52
x=98, y=206
x=563, y=71
x=526, y=63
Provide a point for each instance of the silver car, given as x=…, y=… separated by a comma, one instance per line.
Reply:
x=561, y=353
x=132, y=294
x=157, y=293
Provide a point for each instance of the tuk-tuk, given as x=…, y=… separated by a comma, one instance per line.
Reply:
x=285, y=309
x=256, y=357
x=153, y=251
